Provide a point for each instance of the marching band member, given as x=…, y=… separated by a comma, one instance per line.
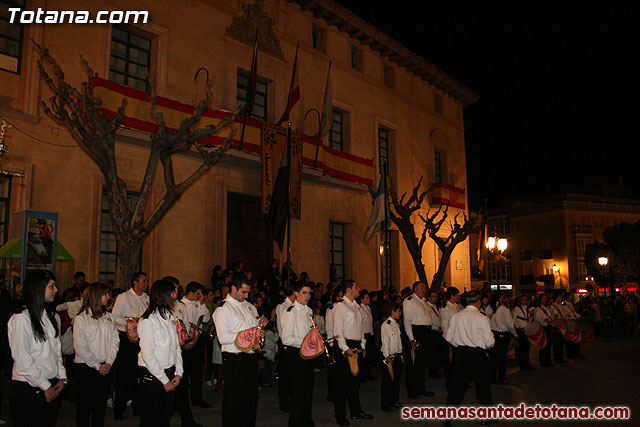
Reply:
x=504, y=332
x=235, y=315
x=570, y=313
x=557, y=338
x=542, y=315
x=160, y=358
x=296, y=323
x=194, y=357
x=38, y=374
x=391, y=338
x=131, y=303
x=450, y=309
x=284, y=383
x=96, y=343
x=437, y=343
x=417, y=322
x=349, y=340
x=520, y=321
x=337, y=297
x=367, y=328
x=471, y=334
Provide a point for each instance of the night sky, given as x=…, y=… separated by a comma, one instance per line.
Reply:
x=558, y=87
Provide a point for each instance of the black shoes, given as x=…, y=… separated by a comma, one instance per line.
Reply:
x=342, y=422
x=201, y=404
x=362, y=416
x=397, y=405
x=488, y=422
x=427, y=393
x=386, y=409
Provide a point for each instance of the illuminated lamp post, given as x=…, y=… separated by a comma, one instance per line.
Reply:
x=496, y=244
x=604, y=261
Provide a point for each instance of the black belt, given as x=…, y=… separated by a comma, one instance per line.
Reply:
x=354, y=344
x=146, y=376
x=502, y=334
x=243, y=354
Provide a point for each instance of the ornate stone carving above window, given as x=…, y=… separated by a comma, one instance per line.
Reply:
x=254, y=18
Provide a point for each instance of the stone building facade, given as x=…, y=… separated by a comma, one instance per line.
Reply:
x=388, y=102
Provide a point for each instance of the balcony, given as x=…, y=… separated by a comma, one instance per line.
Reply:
x=581, y=229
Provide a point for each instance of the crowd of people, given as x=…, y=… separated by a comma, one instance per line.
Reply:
x=154, y=347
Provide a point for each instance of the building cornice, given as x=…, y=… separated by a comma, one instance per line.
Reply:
x=368, y=35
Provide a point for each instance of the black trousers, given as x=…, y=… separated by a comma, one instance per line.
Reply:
x=331, y=376
x=90, y=390
x=449, y=365
x=573, y=349
x=499, y=355
x=435, y=352
x=415, y=369
x=367, y=361
x=284, y=386
x=301, y=375
x=522, y=349
x=240, y=396
x=181, y=403
x=471, y=364
x=28, y=407
x=156, y=405
x=545, y=354
x=193, y=366
x=126, y=373
x=390, y=389
x=557, y=343
x=347, y=387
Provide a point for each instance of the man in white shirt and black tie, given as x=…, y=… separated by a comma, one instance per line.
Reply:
x=437, y=344
x=446, y=314
x=470, y=333
x=349, y=339
x=417, y=323
x=296, y=324
x=284, y=383
x=367, y=328
x=521, y=320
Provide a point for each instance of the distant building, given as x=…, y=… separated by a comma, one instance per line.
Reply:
x=549, y=231
x=390, y=106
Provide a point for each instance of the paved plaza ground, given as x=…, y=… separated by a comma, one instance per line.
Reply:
x=608, y=375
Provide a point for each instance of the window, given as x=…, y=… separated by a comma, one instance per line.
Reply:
x=437, y=103
x=437, y=163
x=130, y=58
x=387, y=272
x=336, y=248
x=339, y=134
x=583, y=275
x=108, y=246
x=383, y=150
x=389, y=80
x=5, y=208
x=356, y=59
x=500, y=226
x=10, y=37
x=500, y=272
x=259, y=102
x=319, y=38
x=581, y=245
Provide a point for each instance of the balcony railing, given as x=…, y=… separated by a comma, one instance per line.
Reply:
x=581, y=229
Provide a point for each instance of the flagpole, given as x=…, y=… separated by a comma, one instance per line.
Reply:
x=289, y=209
x=315, y=160
x=250, y=97
x=386, y=219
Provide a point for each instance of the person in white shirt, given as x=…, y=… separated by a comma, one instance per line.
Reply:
x=284, y=383
x=452, y=297
x=542, y=315
x=391, y=339
x=318, y=319
x=558, y=341
x=504, y=331
x=521, y=319
x=437, y=344
x=470, y=333
x=296, y=324
x=38, y=374
x=338, y=295
x=160, y=366
x=570, y=313
x=486, y=307
x=349, y=339
x=417, y=323
x=96, y=343
x=193, y=358
x=131, y=303
x=367, y=328
x=235, y=315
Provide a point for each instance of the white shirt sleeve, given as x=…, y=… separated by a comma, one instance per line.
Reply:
x=223, y=329
x=20, y=339
x=407, y=317
x=147, y=349
x=81, y=344
x=338, y=327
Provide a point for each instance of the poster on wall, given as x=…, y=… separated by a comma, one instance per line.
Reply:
x=40, y=237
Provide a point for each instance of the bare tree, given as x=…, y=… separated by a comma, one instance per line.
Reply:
x=81, y=113
x=401, y=212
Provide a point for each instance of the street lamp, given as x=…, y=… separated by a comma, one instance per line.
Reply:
x=496, y=244
x=604, y=261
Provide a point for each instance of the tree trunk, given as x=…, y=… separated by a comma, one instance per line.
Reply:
x=128, y=259
x=438, y=278
x=409, y=237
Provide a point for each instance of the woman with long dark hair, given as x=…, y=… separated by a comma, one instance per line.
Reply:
x=160, y=358
x=96, y=343
x=38, y=374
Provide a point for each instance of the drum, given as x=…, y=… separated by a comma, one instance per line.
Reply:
x=536, y=335
x=586, y=326
x=559, y=325
x=312, y=345
x=248, y=340
x=574, y=334
x=132, y=329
